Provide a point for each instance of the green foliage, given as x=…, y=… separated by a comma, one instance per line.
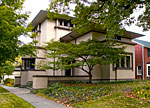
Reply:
x=12, y=26
x=71, y=94
x=108, y=15
x=85, y=54
x=9, y=82
x=6, y=68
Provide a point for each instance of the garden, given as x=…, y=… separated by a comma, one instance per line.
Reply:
x=120, y=94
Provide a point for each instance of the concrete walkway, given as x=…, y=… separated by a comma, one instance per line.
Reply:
x=36, y=101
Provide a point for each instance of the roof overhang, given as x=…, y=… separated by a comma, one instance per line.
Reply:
x=40, y=17
x=73, y=35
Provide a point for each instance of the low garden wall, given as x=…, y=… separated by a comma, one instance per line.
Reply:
x=17, y=81
x=41, y=81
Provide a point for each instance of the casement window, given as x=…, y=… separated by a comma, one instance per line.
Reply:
x=28, y=64
x=124, y=62
x=139, y=70
x=60, y=22
x=148, y=50
x=128, y=60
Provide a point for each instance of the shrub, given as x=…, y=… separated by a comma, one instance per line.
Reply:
x=71, y=94
x=9, y=82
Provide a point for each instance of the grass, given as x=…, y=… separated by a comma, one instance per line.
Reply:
x=120, y=94
x=2, y=90
x=9, y=100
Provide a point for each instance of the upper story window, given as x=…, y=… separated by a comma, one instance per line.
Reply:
x=28, y=64
x=60, y=22
x=65, y=23
x=148, y=50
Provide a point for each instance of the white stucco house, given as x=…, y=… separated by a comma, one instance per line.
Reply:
x=60, y=29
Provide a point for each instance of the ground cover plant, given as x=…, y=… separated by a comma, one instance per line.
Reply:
x=9, y=100
x=72, y=94
x=118, y=94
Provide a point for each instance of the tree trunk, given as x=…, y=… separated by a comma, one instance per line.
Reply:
x=90, y=77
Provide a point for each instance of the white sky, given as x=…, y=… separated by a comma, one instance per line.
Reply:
x=34, y=6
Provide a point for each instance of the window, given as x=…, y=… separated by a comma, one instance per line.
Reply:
x=28, y=64
x=139, y=70
x=148, y=52
x=128, y=61
x=71, y=25
x=60, y=22
x=148, y=70
x=65, y=23
x=123, y=62
x=118, y=37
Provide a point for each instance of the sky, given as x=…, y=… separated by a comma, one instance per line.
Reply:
x=34, y=6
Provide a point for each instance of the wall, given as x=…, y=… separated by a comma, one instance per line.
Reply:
x=125, y=73
x=138, y=60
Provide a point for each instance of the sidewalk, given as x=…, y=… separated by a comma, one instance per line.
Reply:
x=36, y=101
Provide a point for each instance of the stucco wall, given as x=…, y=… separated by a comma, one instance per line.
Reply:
x=125, y=73
x=31, y=73
x=60, y=33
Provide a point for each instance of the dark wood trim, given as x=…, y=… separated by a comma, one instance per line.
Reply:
x=33, y=70
x=125, y=68
x=58, y=76
x=122, y=41
x=33, y=58
x=39, y=47
x=113, y=79
x=17, y=76
x=63, y=27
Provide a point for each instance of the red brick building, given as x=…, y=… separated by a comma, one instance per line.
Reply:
x=142, y=59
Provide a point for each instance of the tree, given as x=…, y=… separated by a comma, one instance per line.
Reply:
x=109, y=15
x=12, y=26
x=6, y=68
x=85, y=54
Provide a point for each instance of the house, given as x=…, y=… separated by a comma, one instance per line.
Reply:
x=60, y=29
x=142, y=59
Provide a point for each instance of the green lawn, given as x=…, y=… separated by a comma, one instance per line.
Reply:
x=9, y=100
x=2, y=90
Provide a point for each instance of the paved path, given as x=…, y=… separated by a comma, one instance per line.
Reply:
x=36, y=101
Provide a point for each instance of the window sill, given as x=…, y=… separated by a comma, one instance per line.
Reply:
x=122, y=68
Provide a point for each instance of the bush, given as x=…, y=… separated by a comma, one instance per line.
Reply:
x=9, y=82
x=71, y=94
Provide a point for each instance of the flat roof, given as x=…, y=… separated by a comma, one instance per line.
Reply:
x=72, y=35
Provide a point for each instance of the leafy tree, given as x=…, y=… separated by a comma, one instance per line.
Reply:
x=85, y=54
x=12, y=26
x=108, y=15
x=6, y=68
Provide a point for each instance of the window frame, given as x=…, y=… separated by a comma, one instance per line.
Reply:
x=125, y=67
x=138, y=70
